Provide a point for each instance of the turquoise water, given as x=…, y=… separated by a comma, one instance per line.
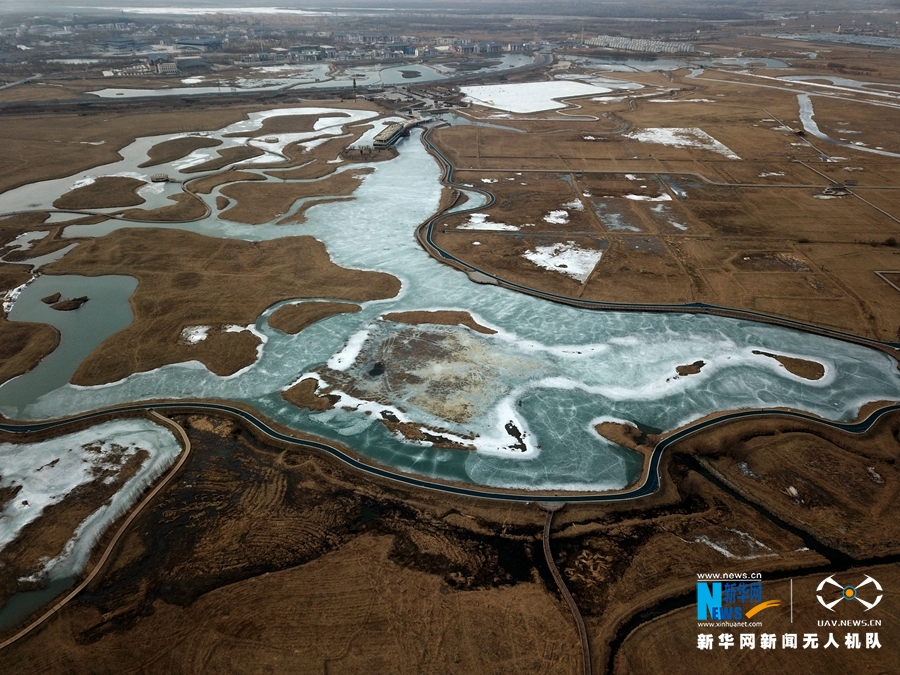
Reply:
x=584, y=367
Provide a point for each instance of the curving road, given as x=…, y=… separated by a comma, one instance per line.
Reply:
x=648, y=485
x=424, y=233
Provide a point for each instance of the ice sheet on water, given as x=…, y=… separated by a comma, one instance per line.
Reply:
x=47, y=471
x=528, y=97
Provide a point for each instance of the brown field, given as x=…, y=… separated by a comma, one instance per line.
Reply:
x=752, y=233
x=186, y=279
x=292, y=319
x=22, y=345
x=169, y=151
x=442, y=318
x=104, y=192
x=261, y=203
x=186, y=207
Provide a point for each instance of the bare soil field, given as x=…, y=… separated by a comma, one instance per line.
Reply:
x=188, y=280
x=104, y=192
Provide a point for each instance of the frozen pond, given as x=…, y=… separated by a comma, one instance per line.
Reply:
x=529, y=97
x=46, y=472
x=549, y=372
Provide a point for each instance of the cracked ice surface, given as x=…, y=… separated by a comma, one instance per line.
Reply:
x=47, y=471
x=588, y=364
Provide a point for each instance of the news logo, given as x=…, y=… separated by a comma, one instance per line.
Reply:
x=731, y=600
x=848, y=593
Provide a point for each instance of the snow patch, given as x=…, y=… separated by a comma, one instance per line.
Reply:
x=568, y=259
x=346, y=357
x=682, y=137
x=557, y=217
x=665, y=197
x=194, y=334
x=479, y=221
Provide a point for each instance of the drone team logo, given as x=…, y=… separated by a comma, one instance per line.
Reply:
x=849, y=593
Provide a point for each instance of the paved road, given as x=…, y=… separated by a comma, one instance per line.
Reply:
x=647, y=486
x=425, y=236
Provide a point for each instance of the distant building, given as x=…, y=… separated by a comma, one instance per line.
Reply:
x=631, y=45
x=204, y=44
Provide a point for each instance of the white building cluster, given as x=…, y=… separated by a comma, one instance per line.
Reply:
x=633, y=45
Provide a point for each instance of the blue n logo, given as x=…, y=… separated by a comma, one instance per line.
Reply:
x=709, y=597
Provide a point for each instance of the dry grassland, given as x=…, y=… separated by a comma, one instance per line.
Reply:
x=282, y=124
x=22, y=345
x=260, y=558
x=292, y=319
x=41, y=147
x=186, y=208
x=722, y=212
x=442, y=318
x=303, y=395
x=258, y=203
x=104, y=192
x=206, y=185
x=186, y=279
x=169, y=151
x=54, y=145
x=843, y=485
x=226, y=156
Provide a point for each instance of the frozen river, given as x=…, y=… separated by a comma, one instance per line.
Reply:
x=553, y=371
